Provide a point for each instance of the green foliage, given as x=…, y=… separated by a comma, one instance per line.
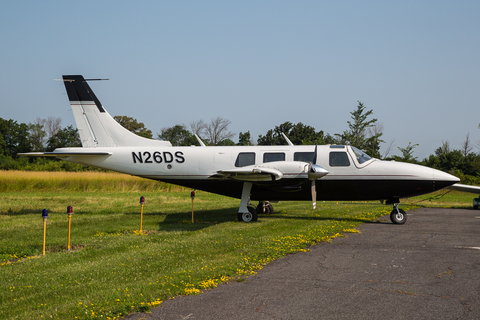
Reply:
x=65, y=138
x=455, y=161
x=407, y=154
x=37, y=136
x=244, y=139
x=42, y=164
x=358, y=134
x=134, y=126
x=15, y=138
x=297, y=133
x=226, y=142
x=178, y=135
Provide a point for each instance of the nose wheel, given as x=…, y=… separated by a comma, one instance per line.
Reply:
x=398, y=216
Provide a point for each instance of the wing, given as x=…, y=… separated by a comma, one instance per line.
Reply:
x=465, y=188
x=272, y=171
x=250, y=173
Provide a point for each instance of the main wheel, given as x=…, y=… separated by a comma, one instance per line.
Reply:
x=265, y=208
x=398, y=216
x=249, y=216
x=269, y=209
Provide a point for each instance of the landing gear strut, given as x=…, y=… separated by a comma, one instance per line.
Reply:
x=247, y=212
x=398, y=216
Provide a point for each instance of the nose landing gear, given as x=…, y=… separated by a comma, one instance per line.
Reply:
x=398, y=216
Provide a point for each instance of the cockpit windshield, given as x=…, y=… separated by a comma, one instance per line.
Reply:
x=361, y=156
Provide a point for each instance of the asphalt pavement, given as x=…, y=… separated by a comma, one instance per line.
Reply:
x=428, y=268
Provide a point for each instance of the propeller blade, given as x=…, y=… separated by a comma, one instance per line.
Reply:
x=314, y=195
x=315, y=155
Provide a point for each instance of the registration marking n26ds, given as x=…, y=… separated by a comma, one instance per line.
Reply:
x=157, y=157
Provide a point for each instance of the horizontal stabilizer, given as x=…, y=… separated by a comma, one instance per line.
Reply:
x=63, y=154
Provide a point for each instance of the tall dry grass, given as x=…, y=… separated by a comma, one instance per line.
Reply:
x=31, y=181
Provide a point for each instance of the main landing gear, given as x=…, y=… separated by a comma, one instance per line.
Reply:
x=398, y=216
x=248, y=212
x=264, y=207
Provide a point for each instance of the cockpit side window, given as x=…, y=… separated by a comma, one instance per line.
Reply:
x=339, y=159
x=245, y=159
x=273, y=156
x=361, y=156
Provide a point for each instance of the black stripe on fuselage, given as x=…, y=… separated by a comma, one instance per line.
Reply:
x=327, y=190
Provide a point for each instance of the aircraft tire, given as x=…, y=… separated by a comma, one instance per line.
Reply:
x=249, y=216
x=398, y=217
x=269, y=209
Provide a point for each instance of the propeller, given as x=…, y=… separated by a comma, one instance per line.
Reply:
x=315, y=172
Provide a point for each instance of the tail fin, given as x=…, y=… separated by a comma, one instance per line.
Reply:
x=96, y=127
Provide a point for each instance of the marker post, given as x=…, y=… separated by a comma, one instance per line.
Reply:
x=44, y=216
x=142, y=202
x=69, y=212
x=192, y=195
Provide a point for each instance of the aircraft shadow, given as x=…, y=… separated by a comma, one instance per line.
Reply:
x=182, y=221
x=293, y=217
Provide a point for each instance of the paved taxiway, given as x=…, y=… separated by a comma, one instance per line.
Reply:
x=428, y=268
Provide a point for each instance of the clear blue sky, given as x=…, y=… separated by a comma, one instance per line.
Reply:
x=256, y=63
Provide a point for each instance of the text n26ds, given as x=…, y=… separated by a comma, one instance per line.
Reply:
x=157, y=157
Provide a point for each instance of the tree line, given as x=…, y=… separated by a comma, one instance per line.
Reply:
x=363, y=131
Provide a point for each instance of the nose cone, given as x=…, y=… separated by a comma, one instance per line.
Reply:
x=442, y=179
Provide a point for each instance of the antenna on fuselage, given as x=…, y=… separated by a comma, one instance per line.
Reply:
x=288, y=140
x=200, y=140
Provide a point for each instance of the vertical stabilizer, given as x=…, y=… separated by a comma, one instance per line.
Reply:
x=95, y=125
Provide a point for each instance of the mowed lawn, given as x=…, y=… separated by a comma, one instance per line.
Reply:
x=113, y=269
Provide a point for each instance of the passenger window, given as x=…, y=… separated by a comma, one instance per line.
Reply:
x=245, y=159
x=269, y=157
x=303, y=156
x=339, y=159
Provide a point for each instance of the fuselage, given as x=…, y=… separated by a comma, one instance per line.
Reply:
x=352, y=175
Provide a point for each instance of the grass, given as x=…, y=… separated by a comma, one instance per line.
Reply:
x=113, y=269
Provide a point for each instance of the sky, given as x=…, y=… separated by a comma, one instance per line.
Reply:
x=416, y=64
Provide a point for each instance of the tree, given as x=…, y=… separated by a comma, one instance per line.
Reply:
x=134, y=126
x=226, y=142
x=467, y=146
x=444, y=149
x=52, y=125
x=178, y=135
x=64, y=138
x=3, y=144
x=217, y=130
x=358, y=135
x=297, y=133
x=274, y=137
x=38, y=136
x=407, y=154
x=244, y=139
x=15, y=137
x=197, y=127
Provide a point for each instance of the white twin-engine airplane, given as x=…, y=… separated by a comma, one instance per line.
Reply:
x=263, y=173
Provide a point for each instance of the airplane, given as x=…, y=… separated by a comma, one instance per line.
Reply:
x=267, y=174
